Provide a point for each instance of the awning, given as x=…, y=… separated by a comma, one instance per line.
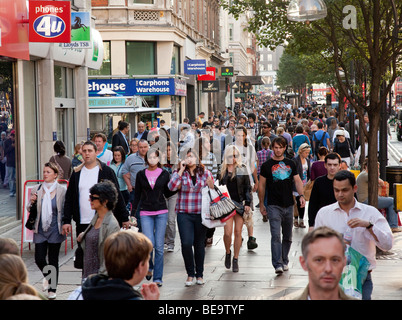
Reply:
x=129, y=110
x=254, y=80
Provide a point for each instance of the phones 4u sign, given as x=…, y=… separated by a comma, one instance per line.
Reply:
x=50, y=21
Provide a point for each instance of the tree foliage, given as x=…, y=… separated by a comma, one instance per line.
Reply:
x=357, y=38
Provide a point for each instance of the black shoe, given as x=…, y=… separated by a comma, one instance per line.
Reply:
x=252, y=243
x=235, y=265
x=227, y=260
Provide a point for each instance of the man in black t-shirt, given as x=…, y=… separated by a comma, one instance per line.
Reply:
x=322, y=193
x=278, y=175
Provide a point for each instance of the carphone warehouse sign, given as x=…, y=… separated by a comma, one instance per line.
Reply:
x=137, y=87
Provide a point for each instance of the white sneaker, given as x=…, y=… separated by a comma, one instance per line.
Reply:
x=200, y=281
x=279, y=270
x=45, y=284
x=52, y=295
x=189, y=282
x=285, y=267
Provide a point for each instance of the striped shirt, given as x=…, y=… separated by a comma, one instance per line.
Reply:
x=189, y=198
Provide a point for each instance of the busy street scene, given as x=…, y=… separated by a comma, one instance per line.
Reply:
x=201, y=153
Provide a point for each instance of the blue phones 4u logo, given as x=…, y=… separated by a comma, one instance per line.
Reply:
x=49, y=26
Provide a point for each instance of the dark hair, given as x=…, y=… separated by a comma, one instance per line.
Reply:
x=122, y=152
x=346, y=175
x=252, y=116
x=299, y=129
x=123, y=125
x=150, y=151
x=243, y=128
x=90, y=143
x=281, y=141
x=106, y=191
x=59, y=148
x=323, y=151
x=199, y=169
x=320, y=125
x=333, y=156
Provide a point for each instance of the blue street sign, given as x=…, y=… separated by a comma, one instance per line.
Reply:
x=195, y=67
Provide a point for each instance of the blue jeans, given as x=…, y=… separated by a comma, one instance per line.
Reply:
x=192, y=234
x=280, y=218
x=367, y=288
x=11, y=179
x=154, y=228
x=388, y=204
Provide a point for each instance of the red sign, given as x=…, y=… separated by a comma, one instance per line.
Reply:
x=50, y=21
x=13, y=32
x=209, y=76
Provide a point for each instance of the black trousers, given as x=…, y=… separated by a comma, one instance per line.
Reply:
x=51, y=251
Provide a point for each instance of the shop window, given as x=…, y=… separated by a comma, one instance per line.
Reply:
x=106, y=67
x=63, y=82
x=144, y=1
x=175, y=68
x=140, y=58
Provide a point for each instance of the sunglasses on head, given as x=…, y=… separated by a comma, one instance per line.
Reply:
x=93, y=198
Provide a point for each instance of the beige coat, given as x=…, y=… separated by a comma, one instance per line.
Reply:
x=60, y=197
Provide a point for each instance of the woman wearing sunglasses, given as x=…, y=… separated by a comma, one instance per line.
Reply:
x=103, y=198
x=234, y=175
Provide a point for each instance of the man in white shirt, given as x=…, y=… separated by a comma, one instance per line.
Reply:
x=367, y=225
x=103, y=154
x=84, y=176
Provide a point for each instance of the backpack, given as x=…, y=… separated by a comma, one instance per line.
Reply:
x=320, y=142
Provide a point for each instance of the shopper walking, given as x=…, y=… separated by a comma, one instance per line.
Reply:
x=234, y=175
x=151, y=191
x=49, y=199
x=189, y=180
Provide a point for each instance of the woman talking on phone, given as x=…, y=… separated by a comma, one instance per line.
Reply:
x=189, y=179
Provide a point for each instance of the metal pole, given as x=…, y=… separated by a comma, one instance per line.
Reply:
x=383, y=141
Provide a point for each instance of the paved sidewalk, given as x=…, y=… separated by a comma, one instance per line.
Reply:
x=256, y=279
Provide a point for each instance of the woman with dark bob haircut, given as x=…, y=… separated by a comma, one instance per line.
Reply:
x=103, y=198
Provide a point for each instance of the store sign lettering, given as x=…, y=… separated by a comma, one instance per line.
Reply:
x=49, y=26
x=50, y=21
x=141, y=87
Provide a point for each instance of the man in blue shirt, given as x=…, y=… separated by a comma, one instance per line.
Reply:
x=320, y=135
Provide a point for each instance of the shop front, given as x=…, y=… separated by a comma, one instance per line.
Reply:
x=133, y=100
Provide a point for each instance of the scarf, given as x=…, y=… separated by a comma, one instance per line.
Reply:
x=47, y=211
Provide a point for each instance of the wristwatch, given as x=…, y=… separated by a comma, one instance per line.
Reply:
x=370, y=225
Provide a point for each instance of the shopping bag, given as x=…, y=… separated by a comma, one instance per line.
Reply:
x=354, y=273
x=307, y=189
x=205, y=215
x=221, y=206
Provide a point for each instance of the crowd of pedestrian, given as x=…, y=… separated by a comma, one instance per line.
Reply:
x=154, y=181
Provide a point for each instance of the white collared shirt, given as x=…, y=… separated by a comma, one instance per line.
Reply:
x=362, y=240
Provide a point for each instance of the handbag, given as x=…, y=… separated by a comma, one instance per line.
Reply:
x=205, y=214
x=220, y=207
x=79, y=252
x=79, y=257
x=33, y=213
x=307, y=188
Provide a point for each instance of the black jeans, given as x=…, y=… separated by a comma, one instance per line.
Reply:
x=51, y=250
